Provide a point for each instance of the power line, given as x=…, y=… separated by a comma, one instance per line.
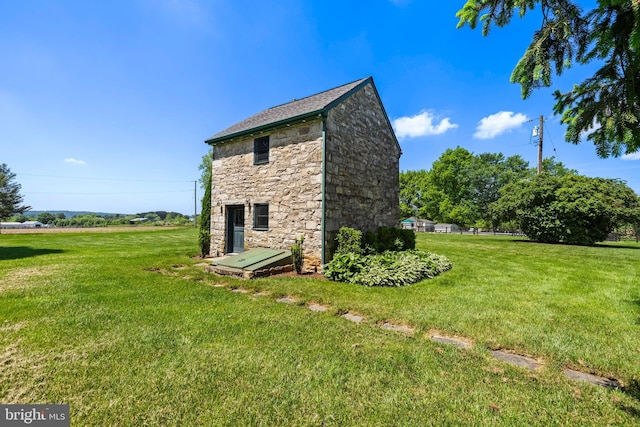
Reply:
x=554, y=148
x=102, y=179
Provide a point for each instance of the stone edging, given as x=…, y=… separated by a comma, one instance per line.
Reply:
x=503, y=355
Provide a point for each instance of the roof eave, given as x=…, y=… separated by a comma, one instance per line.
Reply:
x=263, y=128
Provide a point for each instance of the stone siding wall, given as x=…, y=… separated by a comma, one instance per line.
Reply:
x=290, y=183
x=362, y=167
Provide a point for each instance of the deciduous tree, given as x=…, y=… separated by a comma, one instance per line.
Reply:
x=551, y=166
x=414, y=187
x=46, y=218
x=460, y=186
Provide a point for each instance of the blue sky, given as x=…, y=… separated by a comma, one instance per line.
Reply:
x=104, y=106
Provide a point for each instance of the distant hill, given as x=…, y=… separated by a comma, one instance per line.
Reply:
x=68, y=214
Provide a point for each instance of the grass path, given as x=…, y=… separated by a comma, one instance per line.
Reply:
x=125, y=329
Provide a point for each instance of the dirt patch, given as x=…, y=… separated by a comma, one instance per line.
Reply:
x=21, y=375
x=24, y=374
x=22, y=278
x=11, y=327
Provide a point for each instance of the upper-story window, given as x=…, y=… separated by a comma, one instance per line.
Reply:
x=261, y=150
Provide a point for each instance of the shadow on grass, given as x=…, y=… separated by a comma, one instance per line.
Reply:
x=18, y=252
x=615, y=246
x=632, y=390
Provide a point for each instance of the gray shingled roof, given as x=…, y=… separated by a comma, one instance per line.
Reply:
x=295, y=110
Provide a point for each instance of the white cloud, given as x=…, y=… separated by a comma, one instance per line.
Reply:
x=632, y=156
x=74, y=161
x=499, y=123
x=421, y=125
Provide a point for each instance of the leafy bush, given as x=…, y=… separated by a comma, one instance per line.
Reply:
x=204, y=240
x=343, y=266
x=389, y=239
x=383, y=239
x=349, y=241
x=385, y=257
x=571, y=209
x=297, y=255
x=389, y=268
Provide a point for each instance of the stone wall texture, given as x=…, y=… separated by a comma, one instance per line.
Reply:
x=362, y=167
x=361, y=187
x=290, y=183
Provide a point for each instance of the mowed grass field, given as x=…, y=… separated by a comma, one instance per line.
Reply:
x=128, y=331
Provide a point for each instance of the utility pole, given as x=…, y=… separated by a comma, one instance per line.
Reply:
x=195, y=206
x=540, y=146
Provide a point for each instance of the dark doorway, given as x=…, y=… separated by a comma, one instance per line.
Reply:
x=235, y=229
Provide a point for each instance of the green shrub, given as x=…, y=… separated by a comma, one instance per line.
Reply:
x=383, y=239
x=571, y=209
x=204, y=242
x=389, y=239
x=390, y=268
x=349, y=241
x=297, y=255
x=204, y=236
x=391, y=259
x=343, y=266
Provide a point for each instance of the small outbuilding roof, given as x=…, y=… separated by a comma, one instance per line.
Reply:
x=298, y=109
x=414, y=219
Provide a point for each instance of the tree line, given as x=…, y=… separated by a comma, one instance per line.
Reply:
x=492, y=191
x=97, y=220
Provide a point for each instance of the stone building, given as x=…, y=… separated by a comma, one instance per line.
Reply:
x=307, y=167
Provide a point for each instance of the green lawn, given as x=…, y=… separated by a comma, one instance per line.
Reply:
x=126, y=330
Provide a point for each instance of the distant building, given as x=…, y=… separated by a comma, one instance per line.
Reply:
x=26, y=224
x=135, y=221
x=446, y=228
x=418, y=225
